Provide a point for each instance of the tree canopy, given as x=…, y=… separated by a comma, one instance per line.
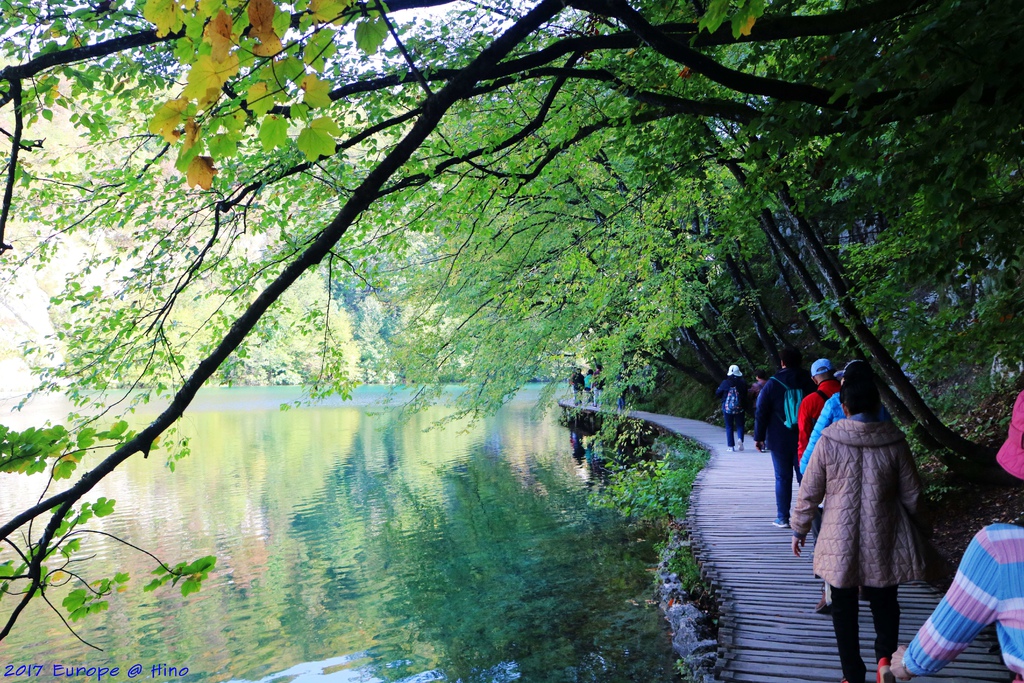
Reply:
x=514, y=186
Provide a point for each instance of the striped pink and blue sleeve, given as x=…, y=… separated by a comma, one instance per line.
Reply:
x=989, y=587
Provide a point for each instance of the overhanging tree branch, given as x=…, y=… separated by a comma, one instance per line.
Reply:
x=434, y=108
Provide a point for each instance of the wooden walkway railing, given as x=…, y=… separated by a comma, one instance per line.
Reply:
x=768, y=630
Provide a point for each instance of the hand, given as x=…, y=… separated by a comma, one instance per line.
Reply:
x=759, y=445
x=798, y=543
x=898, y=670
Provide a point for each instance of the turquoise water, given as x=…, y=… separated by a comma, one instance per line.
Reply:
x=353, y=546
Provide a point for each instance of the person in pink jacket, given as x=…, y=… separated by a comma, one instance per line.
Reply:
x=870, y=539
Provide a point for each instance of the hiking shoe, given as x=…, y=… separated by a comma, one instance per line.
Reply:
x=740, y=447
x=885, y=674
x=781, y=523
x=729, y=449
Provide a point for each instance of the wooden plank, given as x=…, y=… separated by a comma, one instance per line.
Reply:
x=768, y=631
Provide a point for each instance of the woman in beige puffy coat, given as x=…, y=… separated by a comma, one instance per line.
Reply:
x=868, y=538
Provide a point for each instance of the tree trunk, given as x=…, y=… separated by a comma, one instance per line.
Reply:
x=746, y=296
x=778, y=335
x=704, y=353
x=969, y=458
x=693, y=373
x=890, y=398
x=794, y=297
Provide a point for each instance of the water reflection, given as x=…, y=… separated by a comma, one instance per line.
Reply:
x=355, y=547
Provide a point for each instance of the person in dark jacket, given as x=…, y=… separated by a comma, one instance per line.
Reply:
x=770, y=427
x=760, y=379
x=733, y=407
x=576, y=384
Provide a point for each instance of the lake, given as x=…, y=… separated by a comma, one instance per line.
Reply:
x=356, y=546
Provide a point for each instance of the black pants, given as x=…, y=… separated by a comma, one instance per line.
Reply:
x=885, y=612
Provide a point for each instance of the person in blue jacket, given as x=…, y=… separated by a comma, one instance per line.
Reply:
x=770, y=427
x=833, y=410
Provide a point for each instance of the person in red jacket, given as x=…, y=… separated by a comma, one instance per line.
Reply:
x=811, y=406
x=810, y=410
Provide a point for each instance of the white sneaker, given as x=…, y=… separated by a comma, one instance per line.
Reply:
x=740, y=447
x=729, y=449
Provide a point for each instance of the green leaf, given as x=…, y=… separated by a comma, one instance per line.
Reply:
x=370, y=35
x=153, y=585
x=260, y=98
x=316, y=93
x=64, y=469
x=273, y=132
x=74, y=600
x=317, y=140
x=71, y=547
x=103, y=507
x=319, y=48
x=164, y=14
x=223, y=146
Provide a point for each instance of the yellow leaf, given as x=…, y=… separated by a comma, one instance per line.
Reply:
x=56, y=576
x=261, y=20
x=206, y=74
x=748, y=25
x=328, y=10
x=200, y=173
x=166, y=15
x=258, y=99
x=268, y=46
x=218, y=34
x=211, y=96
x=261, y=15
x=191, y=134
x=167, y=118
x=317, y=92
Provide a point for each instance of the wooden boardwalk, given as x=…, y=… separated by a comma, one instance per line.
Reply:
x=768, y=630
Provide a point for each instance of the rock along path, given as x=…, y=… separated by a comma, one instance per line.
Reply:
x=768, y=630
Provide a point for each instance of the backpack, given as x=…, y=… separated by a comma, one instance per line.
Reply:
x=790, y=405
x=731, y=404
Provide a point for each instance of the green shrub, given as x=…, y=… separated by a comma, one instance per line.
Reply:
x=654, y=490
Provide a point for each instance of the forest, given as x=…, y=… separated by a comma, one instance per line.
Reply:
x=324, y=192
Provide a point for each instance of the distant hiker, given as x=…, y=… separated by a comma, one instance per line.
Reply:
x=870, y=537
x=588, y=386
x=988, y=588
x=760, y=379
x=775, y=422
x=576, y=384
x=598, y=384
x=833, y=410
x=732, y=392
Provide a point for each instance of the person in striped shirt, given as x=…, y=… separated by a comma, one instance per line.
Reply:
x=988, y=588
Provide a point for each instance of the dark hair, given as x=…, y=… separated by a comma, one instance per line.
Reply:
x=860, y=395
x=761, y=374
x=791, y=357
x=858, y=370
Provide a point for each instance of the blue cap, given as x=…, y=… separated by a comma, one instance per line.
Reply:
x=820, y=366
